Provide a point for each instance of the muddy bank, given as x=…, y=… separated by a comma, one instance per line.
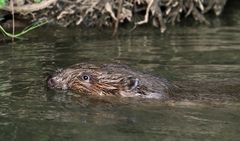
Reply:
x=112, y=13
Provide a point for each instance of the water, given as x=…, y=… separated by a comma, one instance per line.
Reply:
x=205, y=61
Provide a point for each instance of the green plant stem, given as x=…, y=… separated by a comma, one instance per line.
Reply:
x=34, y=26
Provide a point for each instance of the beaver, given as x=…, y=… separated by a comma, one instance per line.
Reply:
x=109, y=80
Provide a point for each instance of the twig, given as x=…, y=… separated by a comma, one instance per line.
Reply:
x=147, y=14
x=109, y=9
x=145, y=17
x=13, y=19
x=157, y=13
x=118, y=16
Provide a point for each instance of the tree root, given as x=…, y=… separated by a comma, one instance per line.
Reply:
x=30, y=7
x=113, y=12
x=120, y=4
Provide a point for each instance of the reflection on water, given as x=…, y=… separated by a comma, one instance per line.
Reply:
x=203, y=61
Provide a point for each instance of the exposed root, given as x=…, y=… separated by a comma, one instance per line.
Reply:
x=158, y=20
x=216, y=5
x=114, y=12
x=28, y=8
x=146, y=17
x=118, y=17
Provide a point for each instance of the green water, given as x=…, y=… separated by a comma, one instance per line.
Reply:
x=205, y=61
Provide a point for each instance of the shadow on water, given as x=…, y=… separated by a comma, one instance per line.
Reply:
x=203, y=61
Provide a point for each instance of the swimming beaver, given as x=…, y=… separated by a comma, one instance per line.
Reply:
x=109, y=80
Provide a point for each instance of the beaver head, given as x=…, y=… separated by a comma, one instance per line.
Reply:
x=94, y=80
x=109, y=80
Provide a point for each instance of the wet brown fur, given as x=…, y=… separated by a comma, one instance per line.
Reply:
x=109, y=80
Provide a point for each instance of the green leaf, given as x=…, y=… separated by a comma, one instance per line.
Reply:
x=2, y=3
x=26, y=30
x=37, y=1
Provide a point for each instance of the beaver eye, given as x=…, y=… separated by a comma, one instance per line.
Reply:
x=85, y=77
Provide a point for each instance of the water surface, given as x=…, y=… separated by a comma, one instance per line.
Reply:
x=204, y=61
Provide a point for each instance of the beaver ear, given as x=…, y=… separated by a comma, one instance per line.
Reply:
x=132, y=83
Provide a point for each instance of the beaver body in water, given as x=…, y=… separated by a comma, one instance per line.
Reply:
x=109, y=80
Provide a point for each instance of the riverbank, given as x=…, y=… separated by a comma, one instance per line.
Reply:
x=110, y=13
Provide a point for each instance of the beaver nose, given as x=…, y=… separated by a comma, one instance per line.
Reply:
x=51, y=82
